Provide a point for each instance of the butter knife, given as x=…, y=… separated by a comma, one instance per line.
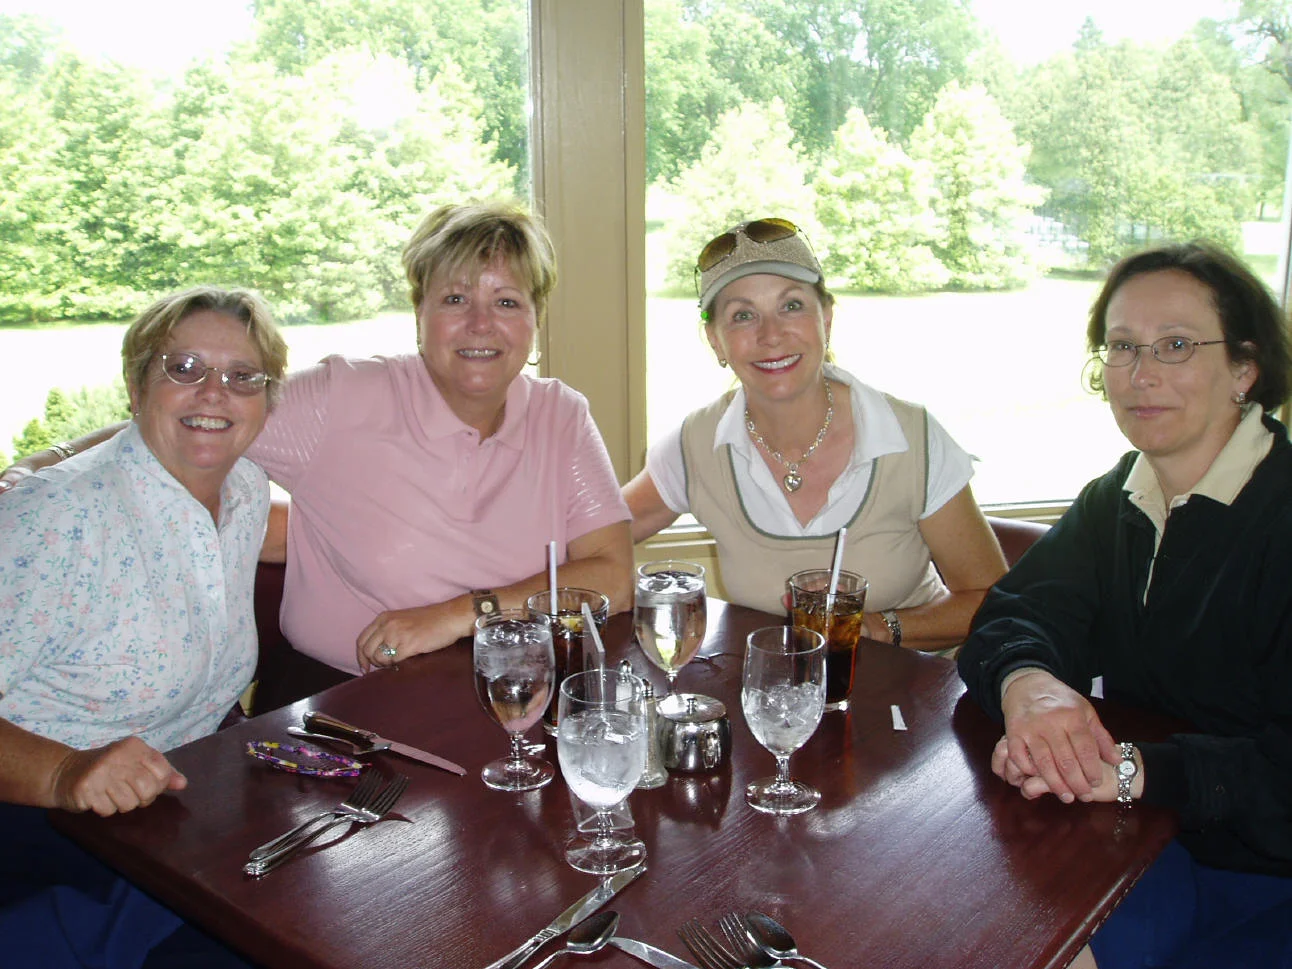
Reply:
x=576, y=913
x=322, y=724
x=649, y=954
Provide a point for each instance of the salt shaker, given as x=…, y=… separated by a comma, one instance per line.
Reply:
x=654, y=775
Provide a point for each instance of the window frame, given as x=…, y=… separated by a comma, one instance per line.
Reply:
x=588, y=139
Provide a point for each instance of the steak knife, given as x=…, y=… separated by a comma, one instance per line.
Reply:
x=576, y=913
x=321, y=723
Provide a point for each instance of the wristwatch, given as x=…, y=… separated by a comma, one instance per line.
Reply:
x=1126, y=772
x=894, y=625
x=484, y=602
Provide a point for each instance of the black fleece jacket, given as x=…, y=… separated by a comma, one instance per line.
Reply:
x=1212, y=646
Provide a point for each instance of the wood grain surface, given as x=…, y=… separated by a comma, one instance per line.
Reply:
x=916, y=858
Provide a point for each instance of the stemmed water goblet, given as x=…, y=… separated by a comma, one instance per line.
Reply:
x=669, y=614
x=601, y=744
x=783, y=696
x=514, y=670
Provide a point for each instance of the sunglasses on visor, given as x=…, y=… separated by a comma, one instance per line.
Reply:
x=761, y=231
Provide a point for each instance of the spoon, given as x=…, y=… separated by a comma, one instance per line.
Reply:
x=774, y=939
x=588, y=936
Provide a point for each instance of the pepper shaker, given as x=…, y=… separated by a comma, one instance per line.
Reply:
x=654, y=775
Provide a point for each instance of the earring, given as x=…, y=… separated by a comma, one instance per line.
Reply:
x=722, y=362
x=1240, y=398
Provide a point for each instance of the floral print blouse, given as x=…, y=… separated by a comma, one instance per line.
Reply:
x=123, y=608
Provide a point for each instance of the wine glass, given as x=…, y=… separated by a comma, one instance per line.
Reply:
x=514, y=670
x=783, y=696
x=601, y=743
x=669, y=614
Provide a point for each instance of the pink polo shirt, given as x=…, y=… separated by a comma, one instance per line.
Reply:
x=397, y=503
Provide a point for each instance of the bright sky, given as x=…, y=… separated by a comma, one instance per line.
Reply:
x=166, y=34
x=162, y=34
x=1032, y=30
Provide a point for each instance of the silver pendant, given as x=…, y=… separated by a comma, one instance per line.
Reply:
x=793, y=481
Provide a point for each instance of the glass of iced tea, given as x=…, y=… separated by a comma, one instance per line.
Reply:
x=567, y=634
x=837, y=618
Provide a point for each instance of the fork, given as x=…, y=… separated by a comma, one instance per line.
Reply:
x=751, y=954
x=357, y=800
x=378, y=809
x=706, y=948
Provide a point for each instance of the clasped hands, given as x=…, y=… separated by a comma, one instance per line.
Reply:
x=1054, y=743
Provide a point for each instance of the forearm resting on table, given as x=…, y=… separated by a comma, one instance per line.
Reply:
x=601, y=560
x=29, y=766
x=935, y=625
x=44, y=459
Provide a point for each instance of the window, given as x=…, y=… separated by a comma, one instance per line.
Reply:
x=965, y=171
x=145, y=148
x=658, y=122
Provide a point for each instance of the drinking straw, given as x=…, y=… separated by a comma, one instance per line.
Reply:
x=590, y=628
x=551, y=577
x=838, y=561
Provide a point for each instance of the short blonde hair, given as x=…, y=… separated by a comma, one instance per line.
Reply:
x=469, y=237
x=147, y=336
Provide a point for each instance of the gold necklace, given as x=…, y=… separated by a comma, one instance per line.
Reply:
x=793, y=481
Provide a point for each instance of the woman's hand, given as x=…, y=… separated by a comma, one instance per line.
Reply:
x=1032, y=786
x=408, y=632
x=11, y=475
x=1053, y=733
x=120, y=777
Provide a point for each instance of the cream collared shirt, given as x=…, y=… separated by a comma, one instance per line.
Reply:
x=1227, y=476
x=876, y=432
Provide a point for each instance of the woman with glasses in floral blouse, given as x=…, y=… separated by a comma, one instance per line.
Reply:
x=126, y=621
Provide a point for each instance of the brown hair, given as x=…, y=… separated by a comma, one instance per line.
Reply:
x=1254, y=326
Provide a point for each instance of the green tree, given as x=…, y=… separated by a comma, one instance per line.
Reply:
x=487, y=39
x=983, y=196
x=875, y=208
x=887, y=57
x=1114, y=127
x=750, y=168
x=85, y=165
x=27, y=45
x=70, y=415
x=1257, y=48
x=306, y=187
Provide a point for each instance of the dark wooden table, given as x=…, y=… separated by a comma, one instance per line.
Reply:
x=916, y=858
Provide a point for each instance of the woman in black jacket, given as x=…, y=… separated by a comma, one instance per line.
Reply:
x=1171, y=579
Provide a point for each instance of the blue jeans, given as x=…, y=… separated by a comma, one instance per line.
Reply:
x=61, y=908
x=1183, y=915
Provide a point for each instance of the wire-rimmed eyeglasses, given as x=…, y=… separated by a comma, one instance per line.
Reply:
x=187, y=369
x=1167, y=349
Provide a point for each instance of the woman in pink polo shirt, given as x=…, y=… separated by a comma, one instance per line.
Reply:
x=426, y=487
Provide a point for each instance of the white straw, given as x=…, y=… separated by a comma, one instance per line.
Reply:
x=590, y=628
x=838, y=561
x=551, y=576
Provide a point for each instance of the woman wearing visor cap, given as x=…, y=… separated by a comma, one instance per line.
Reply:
x=775, y=467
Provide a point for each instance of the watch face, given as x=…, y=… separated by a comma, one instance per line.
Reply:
x=1126, y=768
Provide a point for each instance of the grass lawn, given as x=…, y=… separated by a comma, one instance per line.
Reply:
x=1001, y=371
